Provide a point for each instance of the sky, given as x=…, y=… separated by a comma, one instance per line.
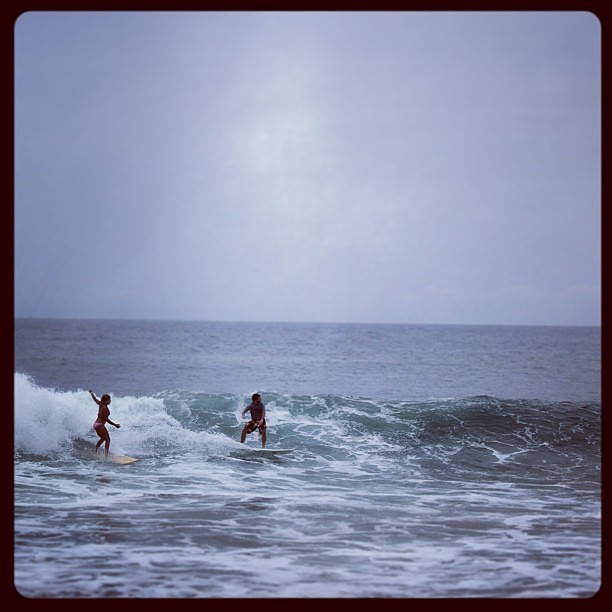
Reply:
x=359, y=167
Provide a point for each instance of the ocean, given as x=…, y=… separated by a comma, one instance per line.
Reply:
x=429, y=461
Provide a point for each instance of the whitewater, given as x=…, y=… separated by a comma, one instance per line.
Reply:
x=420, y=469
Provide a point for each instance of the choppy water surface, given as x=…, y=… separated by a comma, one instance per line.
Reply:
x=422, y=468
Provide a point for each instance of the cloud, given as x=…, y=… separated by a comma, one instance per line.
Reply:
x=409, y=167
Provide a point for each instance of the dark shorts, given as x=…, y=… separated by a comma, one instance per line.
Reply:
x=251, y=427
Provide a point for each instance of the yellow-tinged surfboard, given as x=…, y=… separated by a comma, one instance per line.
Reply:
x=121, y=459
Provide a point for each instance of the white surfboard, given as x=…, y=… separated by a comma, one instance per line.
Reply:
x=121, y=459
x=273, y=451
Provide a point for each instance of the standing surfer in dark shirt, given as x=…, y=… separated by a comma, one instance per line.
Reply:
x=258, y=419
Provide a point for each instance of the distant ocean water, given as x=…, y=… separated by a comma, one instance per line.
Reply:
x=434, y=461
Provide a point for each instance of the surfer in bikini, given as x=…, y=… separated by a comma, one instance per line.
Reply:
x=258, y=419
x=103, y=418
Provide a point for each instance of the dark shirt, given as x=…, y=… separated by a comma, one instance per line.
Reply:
x=256, y=411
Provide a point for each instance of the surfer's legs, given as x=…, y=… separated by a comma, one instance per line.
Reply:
x=104, y=437
x=250, y=427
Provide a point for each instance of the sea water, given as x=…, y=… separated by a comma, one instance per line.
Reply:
x=430, y=461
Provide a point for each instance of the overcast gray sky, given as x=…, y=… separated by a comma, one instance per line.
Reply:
x=350, y=167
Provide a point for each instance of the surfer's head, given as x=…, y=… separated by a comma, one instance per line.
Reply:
x=105, y=399
x=256, y=397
